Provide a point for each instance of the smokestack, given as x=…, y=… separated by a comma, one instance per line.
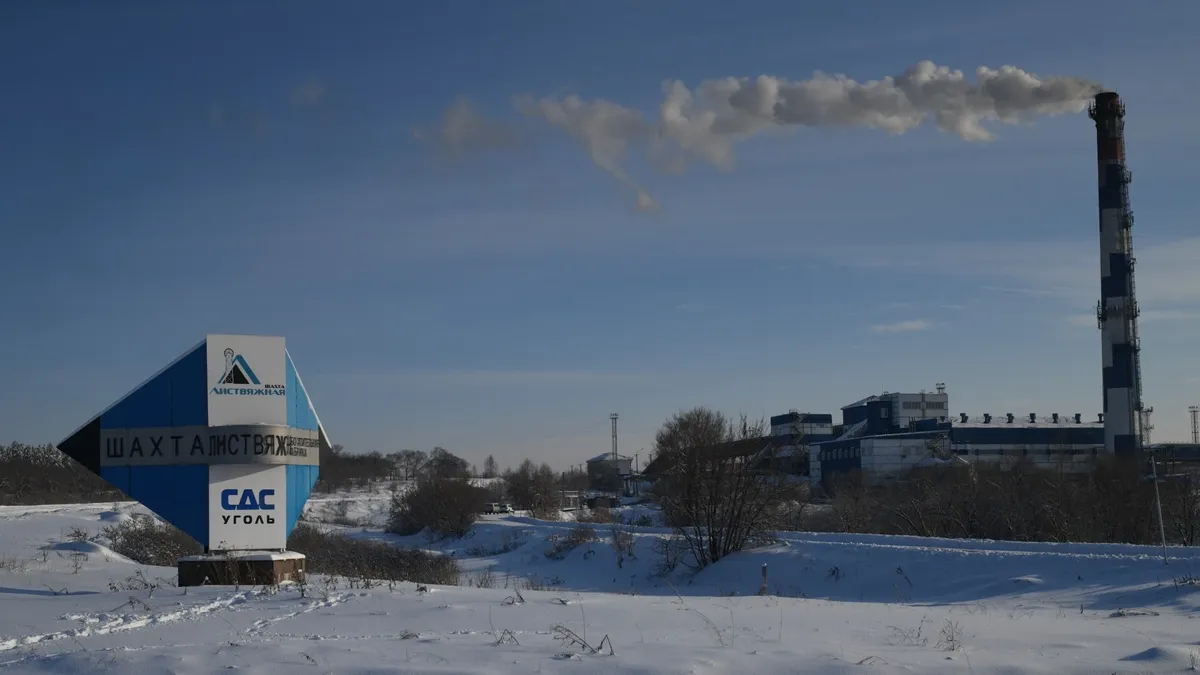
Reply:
x=613, y=417
x=1117, y=310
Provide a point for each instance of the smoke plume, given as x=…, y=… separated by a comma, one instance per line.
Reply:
x=705, y=123
x=462, y=130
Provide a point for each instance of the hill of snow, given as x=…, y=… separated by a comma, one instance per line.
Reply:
x=835, y=604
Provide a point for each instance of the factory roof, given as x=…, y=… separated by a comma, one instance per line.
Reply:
x=1016, y=424
x=863, y=401
x=608, y=457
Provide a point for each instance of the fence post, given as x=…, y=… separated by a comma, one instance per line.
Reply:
x=763, y=590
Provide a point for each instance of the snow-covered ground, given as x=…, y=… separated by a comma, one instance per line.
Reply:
x=835, y=604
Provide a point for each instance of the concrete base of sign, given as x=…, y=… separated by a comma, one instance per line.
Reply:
x=247, y=568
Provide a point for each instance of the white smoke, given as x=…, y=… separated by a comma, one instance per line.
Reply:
x=706, y=123
x=462, y=130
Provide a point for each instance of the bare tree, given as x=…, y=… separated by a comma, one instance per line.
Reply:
x=534, y=488
x=409, y=462
x=718, y=489
x=444, y=464
x=489, y=467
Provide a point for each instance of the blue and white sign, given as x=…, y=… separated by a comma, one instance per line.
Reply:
x=244, y=508
x=224, y=443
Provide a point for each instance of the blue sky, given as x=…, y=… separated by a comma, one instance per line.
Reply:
x=176, y=169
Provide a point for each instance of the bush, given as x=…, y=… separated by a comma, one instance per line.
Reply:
x=600, y=514
x=336, y=554
x=579, y=535
x=148, y=541
x=445, y=507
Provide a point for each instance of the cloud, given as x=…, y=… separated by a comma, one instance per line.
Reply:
x=462, y=130
x=309, y=93
x=912, y=325
x=705, y=123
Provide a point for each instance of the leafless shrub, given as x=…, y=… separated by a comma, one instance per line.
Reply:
x=485, y=579
x=669, y=551
x=571, y=638
x=508, y=542
x=147, y=541
x=340, y=515
x=78, y=534
x=137, y=582
x=951, y=636
x=506, y=637
x=600, y=515
x=446, y=507
x=622, y=542
x=12, y=564
x=337, y=554
x=911, y=637
x=537, y=583
x=578, y=536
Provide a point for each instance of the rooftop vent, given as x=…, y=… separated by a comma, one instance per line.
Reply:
x=1033, y=418
x=1010, y=418
x=1054, y=417
x=963, y=417
x=987, y=419
x=1078, y=418
x=1099, y=417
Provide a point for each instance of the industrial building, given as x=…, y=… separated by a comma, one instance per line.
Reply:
x=609, y=472
x=882, y=436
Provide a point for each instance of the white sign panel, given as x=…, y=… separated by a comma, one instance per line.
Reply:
x=247, y=507
x=247, y=380
x=238, y=444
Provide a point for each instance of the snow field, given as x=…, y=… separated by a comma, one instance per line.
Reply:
x=836, y=604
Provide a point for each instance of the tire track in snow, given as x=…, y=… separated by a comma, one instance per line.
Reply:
x=107, y=623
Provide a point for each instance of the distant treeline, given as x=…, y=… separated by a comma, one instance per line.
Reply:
x=40, y=474
x=1111, y=503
